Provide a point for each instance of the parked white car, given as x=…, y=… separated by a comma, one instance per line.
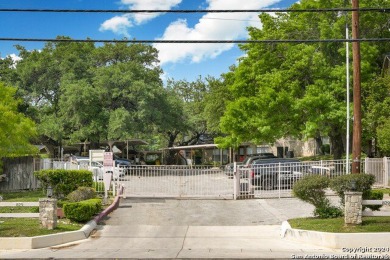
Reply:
x=97, y=168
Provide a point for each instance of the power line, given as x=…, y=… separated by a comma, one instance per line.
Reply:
x=195, y=41
x=370, y=9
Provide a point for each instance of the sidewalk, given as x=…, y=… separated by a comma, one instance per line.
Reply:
x=144, y=241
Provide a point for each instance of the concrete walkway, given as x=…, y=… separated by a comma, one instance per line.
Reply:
x=159, y=228
x=144, y=241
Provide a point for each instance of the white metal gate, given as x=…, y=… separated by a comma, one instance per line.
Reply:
x=175, y=181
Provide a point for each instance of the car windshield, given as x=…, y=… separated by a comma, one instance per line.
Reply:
x=247, y=159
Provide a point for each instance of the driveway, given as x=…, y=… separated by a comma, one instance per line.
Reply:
x=169, y=228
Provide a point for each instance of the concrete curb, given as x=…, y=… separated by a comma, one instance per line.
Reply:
x=59, y=238
x=336, y=240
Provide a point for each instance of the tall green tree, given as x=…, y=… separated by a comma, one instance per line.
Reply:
x=40, y=78
x=16, y=130
x=377, y=116
x=194, y=97
x=78, y=92
x=298, y=89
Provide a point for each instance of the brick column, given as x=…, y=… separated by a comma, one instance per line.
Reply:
x=48, y=213
x=353, y=208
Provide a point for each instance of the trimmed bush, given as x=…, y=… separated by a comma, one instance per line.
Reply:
x=311, y=189
x=328, y=211
x=82, y=193
x=363, y=183
x=374, y=195
x=82, y=211
x=64, y=182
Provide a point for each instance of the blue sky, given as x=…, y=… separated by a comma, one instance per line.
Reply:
x=179, y=61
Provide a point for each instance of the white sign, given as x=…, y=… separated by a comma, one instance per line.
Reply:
x=108, y=159
x=96, y=155
x=107, y=177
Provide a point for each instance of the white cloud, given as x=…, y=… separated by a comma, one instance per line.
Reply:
x=149, y=5
x=121, y=24
x=212, y=26
x=117, y=24
x=15, y=57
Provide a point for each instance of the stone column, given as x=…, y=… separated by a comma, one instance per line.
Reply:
x=48, y=213
x=353, y=208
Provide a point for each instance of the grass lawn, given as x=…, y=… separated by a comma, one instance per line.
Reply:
x=336, y=225
x=23, y=196
x=19, y=210
x=29, y=227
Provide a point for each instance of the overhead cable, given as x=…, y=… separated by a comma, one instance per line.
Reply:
x=196, y=41
x=272, y=10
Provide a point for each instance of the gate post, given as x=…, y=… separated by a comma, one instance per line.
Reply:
x=386, y=172
x=236, y=182
x=353, y=208
x=48, y=213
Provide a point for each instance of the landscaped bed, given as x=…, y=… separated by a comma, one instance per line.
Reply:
x=337, y=225
x=29, y=227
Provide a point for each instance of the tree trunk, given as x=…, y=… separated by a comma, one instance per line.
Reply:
x=336, y=139
x=318, y=140
x=172, y=153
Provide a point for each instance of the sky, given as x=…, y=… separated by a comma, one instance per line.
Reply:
x=178, y=61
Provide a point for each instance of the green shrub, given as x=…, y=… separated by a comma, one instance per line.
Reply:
x=328, y=211
x=374, y=195
x=82, y=193
x=342, y=184
x=64, y=182
x=82, y=211
x=311, y=189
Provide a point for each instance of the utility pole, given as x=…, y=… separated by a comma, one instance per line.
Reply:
x=357, y=117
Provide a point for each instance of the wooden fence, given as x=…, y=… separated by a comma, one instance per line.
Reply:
x=19, y=174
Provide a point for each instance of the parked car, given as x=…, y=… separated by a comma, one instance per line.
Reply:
x=122, y=162
x=322, y=170
x=97, y=168
x=229, y=168
x=275, y=173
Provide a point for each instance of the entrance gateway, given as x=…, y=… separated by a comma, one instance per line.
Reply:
x=172, y=181
x=176, y=181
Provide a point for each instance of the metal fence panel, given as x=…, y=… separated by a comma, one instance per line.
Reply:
x=377, y=167
x=275, y=180
x=175, y=181
x=261, y=181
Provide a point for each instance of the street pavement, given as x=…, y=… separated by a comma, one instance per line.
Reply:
x=170, y=228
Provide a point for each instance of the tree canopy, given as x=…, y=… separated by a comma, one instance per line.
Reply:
x=80, y=92
x=297, y=89
x=16, y=130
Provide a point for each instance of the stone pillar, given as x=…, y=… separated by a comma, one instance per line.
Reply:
x=48, y=213
x=353, y=208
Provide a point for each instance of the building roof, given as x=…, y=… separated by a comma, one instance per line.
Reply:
x=189, y=147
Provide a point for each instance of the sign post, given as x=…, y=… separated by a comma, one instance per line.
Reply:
x=108, y=169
